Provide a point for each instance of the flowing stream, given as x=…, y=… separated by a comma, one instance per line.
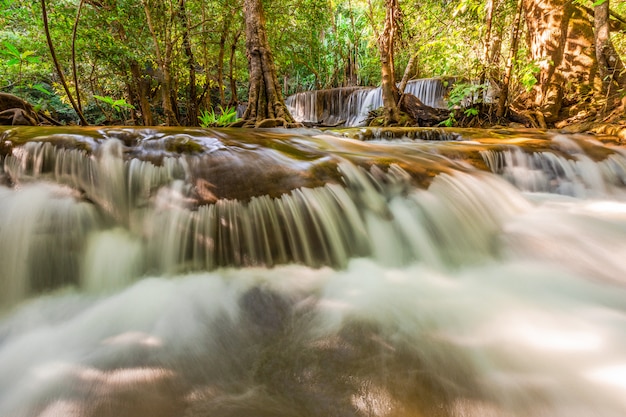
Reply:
x=347, y=272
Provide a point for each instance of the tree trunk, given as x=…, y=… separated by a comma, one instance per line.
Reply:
x=74, y=70
x=265, y=100
x=192, y=93
x=141, y=87
x=408, y=72
x=353, y=51
x=610, y=66
x=220, y=60
x=548, y=22
x=231, y=71
x=487, y=49
x=504, y=90
x=44, y=13
x=164, y=65
x=385, y=45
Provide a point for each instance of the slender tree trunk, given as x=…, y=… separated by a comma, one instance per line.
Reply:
x=164, y=66
x=504, y=90
x=142, y=88
x=487, y=50
x=353, y=75
x=74, y=70
x=386, y=45
x=610, y=66
x=58, y=66
x=231, y=70
x=408, y=72
x=192, y=93
x=220, y=60
x=265, y=100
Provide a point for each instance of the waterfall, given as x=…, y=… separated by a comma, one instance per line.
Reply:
x=189, y=272
x=350, y=106
x=329, y=107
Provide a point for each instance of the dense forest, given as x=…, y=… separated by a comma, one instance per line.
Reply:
x=193, y=62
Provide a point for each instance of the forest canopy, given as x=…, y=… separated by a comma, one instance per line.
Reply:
x=149, y=62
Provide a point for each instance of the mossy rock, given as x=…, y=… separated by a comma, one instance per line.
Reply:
x=183, y=145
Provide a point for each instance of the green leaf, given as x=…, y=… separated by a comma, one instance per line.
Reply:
x=599, y=2
x=33, y=59
x=471, y=111
x=11, y=49
x=107, y=99
x=26, y=54
x=40, y=87
x=13, y=61
x=122, y=103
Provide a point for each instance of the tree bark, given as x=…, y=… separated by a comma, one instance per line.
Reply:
x=548, y=22
x=265, y=100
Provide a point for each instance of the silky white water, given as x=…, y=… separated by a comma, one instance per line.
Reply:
x=469, y=297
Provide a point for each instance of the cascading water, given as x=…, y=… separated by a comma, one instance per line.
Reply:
x=298, y=273
x=350, y=106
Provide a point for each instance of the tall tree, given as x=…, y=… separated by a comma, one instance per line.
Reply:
x=386, y=41
x=265, y=100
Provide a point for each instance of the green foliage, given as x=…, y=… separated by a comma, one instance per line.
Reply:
x=117, y=105
x=17, y=58
x=464, y=95
x=450, y=121
x=315, y=45
x=526, y=73
x=223, y=117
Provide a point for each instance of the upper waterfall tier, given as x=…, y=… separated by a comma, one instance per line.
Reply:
x=349, y=106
